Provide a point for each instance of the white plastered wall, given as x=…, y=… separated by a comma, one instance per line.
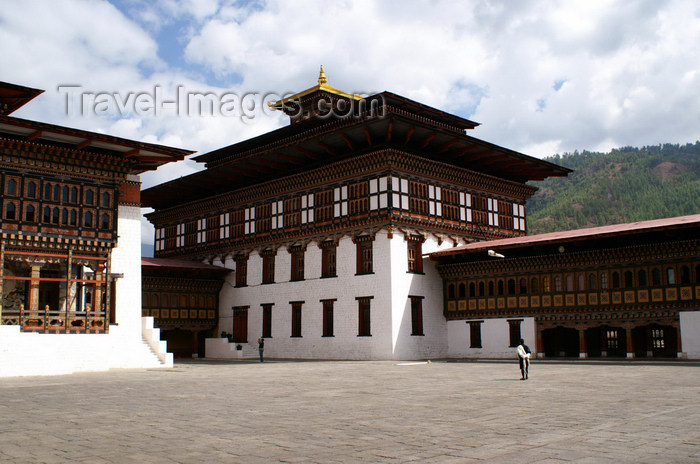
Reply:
x=433, y=343
x=390, y=308
x=126, y=260
x=495, y=338
x=23, y=353
x=690, y=334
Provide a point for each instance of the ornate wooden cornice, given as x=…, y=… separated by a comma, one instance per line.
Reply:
x=572, y=261
x=181, y=284
x=61, y=161
x=388, y=161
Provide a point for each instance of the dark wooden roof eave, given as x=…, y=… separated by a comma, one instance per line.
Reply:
x=387, y=101
x=344, y=138
x=526, y=167
x=146, y=156
x=13, y=97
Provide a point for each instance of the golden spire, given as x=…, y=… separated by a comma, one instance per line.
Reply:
x=322, y=77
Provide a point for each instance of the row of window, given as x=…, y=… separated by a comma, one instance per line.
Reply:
x=669, y=275
x=611, y=336
x=55, y=192
x=364, y=261
x=56, y=215
x=363, y=318
x=415, y=198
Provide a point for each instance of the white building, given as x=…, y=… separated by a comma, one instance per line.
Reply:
x=70, y=273
x=326, y=222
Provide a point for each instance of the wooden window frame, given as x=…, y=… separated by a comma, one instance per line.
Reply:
x=268, y=268
x=414, y=247
x=514, y=332
x=297, y=264
x=475, y=334
x=267, y=320
x=327, y=316
x=296, y=318
x=364, y=317
x=329, y=255
x=365, y=256
x=416, y=315
x=241, y=271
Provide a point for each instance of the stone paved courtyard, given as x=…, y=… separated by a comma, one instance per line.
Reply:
x=333, y=412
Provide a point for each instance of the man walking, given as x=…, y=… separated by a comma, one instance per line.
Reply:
x=261, y=347
x=523, y=358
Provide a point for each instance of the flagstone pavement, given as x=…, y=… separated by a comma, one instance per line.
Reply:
x=357, y=412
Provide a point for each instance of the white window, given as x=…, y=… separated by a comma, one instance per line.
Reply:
x=249, y=219
x=224, y=226
x=434, y=200
x=378, y=196
x=465, y=207
x=340, y=200
x=518, y=216
x=180, y=235
x=307, y=208
x=201, y=230
x=399, y=188
x=277, y=214
x=492, y=211
x=160, y=239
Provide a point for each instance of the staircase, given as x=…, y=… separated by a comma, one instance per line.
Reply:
x=151, y=338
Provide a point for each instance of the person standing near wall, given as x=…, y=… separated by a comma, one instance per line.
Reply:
x=524, y=359
x=261, y=347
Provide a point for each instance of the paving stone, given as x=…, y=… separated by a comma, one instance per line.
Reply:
x=347, y=412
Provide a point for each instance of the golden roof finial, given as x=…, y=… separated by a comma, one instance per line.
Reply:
x=322, y=77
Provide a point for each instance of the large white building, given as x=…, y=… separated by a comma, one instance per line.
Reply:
x=325, y=224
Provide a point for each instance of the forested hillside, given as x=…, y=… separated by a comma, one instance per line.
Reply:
x=626, y=185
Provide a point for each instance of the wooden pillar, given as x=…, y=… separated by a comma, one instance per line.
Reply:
x=97, y=297
x=539, y=341
x=679, y=354
x=582, y=349
x=603, y=342
x=109, y=313
x=69, y=265
x=630, y=342
x=33, y=303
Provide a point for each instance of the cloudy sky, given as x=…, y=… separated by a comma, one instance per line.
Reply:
x=542, y=77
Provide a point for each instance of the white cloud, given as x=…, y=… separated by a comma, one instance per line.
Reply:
x=541, y=76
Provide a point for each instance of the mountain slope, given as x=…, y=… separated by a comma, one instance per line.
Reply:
x=626, y=185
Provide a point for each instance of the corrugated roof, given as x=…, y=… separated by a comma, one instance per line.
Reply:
x=567, y=235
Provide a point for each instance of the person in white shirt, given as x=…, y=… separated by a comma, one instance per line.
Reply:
x=523, y=358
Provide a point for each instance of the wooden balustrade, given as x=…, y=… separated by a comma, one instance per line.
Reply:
x=49, y=320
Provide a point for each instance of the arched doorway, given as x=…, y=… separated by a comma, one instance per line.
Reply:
x=655, y=340
x=560, y=342
x=180, y=342
x=594, y=342
x=613, y=341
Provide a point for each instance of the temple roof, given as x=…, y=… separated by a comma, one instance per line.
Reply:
x=381, y=121
x=13, y=97
x=322, y=86
x=145, y=156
